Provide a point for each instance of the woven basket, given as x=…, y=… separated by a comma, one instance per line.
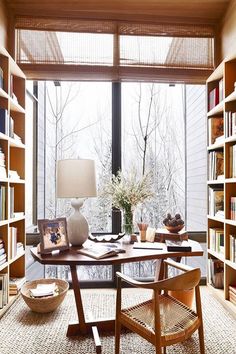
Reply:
x=44, y=304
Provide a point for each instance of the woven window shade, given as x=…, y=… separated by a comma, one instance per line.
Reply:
x=112, y=50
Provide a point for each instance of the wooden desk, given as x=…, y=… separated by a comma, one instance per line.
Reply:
x=72, y=258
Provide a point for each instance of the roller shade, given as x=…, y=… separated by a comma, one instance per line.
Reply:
x=112, y=47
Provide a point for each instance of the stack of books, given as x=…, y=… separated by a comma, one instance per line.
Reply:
x=3, y=290
x=15, y=285
x=19, y=248
x=216, y=240
x=44, y=290
x=232, y=294
x=3, y=255
x=13, y=175
x=216, y=165
x=216, y=202
x=215, y=130
x=3, y=173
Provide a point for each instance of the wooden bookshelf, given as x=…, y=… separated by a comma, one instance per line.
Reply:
x=12, y=144
x=224, y=79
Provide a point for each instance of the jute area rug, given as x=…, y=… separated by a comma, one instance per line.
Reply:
x=25, y=332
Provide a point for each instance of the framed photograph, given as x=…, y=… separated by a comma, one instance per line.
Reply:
x=53, y=235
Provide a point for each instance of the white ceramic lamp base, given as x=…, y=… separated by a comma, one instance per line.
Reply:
x=77, y=225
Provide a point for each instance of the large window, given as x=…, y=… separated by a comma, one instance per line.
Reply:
x=78, y=124
x=157, y=136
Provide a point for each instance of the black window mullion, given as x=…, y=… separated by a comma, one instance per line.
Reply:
x=116, y=146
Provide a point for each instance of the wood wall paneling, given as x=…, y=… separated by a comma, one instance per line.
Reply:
x=4, y=15
x=228, y=32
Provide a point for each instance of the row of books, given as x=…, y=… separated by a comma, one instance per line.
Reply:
x=216, y=202
x=232, y=161
x=6, y=123
x=216, y=95
x=2, y=202
x=232, y=248
x=216, y=240
x=216, y=165
x=15, y=284
x=233, y=208
x=3, y=255
x=230, y=123
x=232, y=294
x=215, y=130
x=3, y=289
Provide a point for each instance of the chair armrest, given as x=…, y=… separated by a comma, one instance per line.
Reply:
x=180, y=266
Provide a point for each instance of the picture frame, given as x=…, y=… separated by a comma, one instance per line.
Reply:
x=53, y=235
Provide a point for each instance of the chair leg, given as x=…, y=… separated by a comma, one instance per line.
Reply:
x=158, y=349
x=117, y=337
x=201, y=339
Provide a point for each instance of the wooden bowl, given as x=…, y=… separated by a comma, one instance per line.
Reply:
x=174, y=229
x=44, y=304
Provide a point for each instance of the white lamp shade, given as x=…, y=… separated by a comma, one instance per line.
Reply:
x=76, y=178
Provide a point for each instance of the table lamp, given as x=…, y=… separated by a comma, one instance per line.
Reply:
x=76, y=179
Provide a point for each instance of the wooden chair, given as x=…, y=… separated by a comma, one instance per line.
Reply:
x=162, y=320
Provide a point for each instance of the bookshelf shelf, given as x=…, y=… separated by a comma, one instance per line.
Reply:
x=3, y=136
x=231, y=97
x=15, y=143
x=215, y=146
x=19, y=218
x=231, y=264
x=3, y=266
x=14, y=106
x=16, y=258
x=3, y=180
x=216, y=182
x=17, y=181
x=221, y=193
x=230, y=139
x=12, y=158
x=215, y=218
x=230, y=222
x=3, y=222
x=216, y=255
x=219, y=108
x=3, y=94
x=230, y=180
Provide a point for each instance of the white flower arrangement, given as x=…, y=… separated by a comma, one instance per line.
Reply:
x=128, y=191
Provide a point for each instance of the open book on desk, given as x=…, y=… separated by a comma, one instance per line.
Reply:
x=100, y=251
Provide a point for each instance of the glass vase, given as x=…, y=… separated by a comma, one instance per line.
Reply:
x=128, y=221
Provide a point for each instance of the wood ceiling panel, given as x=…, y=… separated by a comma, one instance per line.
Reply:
x=208, y=11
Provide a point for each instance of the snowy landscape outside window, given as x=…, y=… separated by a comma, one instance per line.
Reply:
x=155, y=118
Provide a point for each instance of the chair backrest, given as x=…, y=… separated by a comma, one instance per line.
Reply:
x=185, y=281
